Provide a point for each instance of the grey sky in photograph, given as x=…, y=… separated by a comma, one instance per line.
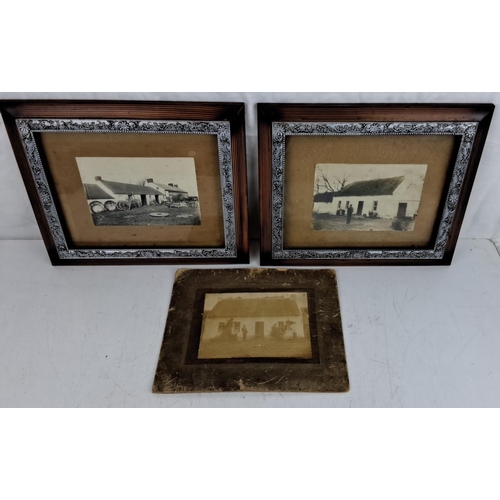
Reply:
x=212, y=298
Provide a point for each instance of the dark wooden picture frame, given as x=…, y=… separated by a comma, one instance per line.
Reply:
x=226, y=121
x=467, y=124
x=180, y=369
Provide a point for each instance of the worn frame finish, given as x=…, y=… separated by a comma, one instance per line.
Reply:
x=180, y=371
x=227, y=121
x=276, y=122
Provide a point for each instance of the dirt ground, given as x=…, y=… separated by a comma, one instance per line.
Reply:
x=186, y=216
x=339, y=223
x=255, y=349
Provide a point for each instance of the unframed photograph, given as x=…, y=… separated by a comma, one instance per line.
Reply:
x=367, y=197
x=255, y=325
x=141, y=191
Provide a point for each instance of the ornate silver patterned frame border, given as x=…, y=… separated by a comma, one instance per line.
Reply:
x=280, y=130
x=28, y=127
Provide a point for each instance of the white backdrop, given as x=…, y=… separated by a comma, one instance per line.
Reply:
x=483, y=214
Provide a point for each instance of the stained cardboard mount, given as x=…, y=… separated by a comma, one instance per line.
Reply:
x=180, y=369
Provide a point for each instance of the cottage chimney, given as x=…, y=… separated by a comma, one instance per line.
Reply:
x=150, y=181
x=105, y=188
x=176, y=186
x=171, y=185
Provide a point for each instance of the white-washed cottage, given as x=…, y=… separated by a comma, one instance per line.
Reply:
x=388, y=198
x=99, y=200
x=168, y=192
x=257, y=316
x=104, y=191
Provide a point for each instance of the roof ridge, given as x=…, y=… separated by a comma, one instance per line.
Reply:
x=377, y=179
x=385, y=185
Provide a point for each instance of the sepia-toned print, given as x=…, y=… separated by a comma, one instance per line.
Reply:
x=255, y=325
x=141, y=191
x=367, y=197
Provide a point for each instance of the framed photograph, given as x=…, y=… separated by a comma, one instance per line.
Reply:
x=255, y=330
x=366, y=184
x=134, y=182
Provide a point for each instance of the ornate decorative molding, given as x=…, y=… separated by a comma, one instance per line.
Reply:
x=467, y=130
x=221, y=129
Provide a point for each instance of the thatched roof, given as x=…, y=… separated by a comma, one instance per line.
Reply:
x=252, y=308
x=94, y=192
x=375, y=187
x=324, y=197
x=123, y=188
x=171, y=189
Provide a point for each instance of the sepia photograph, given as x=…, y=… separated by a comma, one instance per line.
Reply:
x=279, y=330
x=141, y=191
x=255, y=325
x=367, y=197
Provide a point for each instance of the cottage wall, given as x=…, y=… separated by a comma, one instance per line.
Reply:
x=151, y=198
x=387, y=206
x=122, y=197
x=165, y=194
x=211, y=326
x=409, y=192
x=324, y=208
x=161, y=192
x=125, y=197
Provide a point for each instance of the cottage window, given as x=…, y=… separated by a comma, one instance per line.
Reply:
x=281, y=324
x=221, y=327
x=347, y=204
x=375, y=206
x=340, y=205
x=237, y=327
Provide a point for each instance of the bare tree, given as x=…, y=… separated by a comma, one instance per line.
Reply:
x=330, y=184
x=317, y=185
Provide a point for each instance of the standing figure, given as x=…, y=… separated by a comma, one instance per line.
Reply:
x=350, y=211
x=244, y=331
x=227, y=331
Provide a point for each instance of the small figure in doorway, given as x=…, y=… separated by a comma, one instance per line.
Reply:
x=350, y=211
x=244, y=331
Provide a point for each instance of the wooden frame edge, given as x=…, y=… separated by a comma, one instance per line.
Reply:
x=482, y=113
x=233, y=112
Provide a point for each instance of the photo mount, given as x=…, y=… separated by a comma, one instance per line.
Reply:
x=466, y=125
x=28, y=120
x=181, y=371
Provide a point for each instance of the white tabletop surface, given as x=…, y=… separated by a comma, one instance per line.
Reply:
x=90, y=336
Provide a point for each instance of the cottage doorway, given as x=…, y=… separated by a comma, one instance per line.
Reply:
x=144, y=200
x=259, y=329
x=402, y=210
x=360, y=208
